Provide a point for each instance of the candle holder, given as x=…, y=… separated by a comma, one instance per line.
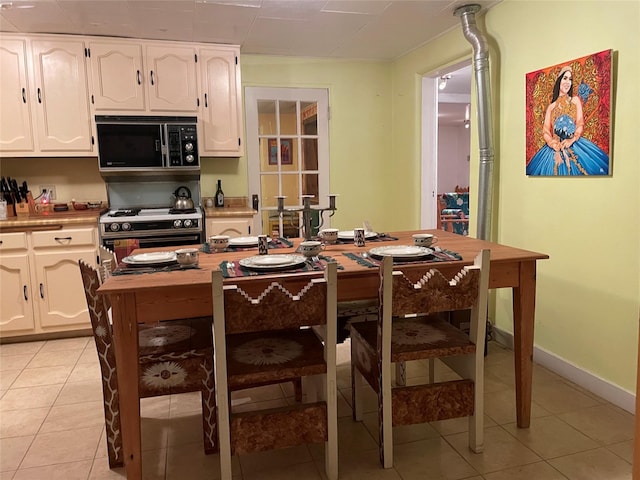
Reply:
x=307, y=210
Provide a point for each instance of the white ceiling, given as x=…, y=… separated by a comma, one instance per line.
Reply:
x=353, y=29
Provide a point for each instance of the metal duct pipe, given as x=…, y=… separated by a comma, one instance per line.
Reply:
x=485, y=130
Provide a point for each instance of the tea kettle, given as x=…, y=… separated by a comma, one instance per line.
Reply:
x=183, y=199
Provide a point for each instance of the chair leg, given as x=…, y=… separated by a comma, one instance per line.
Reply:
x=297, y=389
x=401, y=374
x=114, y=439
x=209, y=411
x=113, y=428
x=331, y=445
x=385, y=427
x=357, y=384
x=432, y=370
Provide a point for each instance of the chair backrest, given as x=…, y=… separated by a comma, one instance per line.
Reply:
x=102, y=331
x=108, y=260
x=432, y=292
x=286, y=303
x=459, y=200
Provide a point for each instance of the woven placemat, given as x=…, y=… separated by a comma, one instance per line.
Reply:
x=439, y=255
x=277, y=243
x=234, y=269
x=382, y=237
x=124, y=269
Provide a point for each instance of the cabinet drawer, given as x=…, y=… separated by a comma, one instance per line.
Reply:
x=13, y=241
x=64, y=238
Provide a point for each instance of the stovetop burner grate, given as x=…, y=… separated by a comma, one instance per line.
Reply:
x=129, y=212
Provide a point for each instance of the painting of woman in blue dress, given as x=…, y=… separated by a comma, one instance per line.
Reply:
x=566, y=151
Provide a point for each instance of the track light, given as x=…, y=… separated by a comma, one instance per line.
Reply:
x=443, y=81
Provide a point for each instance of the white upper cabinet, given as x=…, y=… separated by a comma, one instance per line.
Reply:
x=51, y=86
x=15, y=113
x=116, y=73
x=172, y=79
x=44, y=98
x=221, y=114
x=136, y=77
x=61, y=100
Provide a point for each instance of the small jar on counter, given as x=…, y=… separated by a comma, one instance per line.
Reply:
x=208, y=203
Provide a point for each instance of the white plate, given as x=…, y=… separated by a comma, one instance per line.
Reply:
x=151, y=258
x=272, y=262
x=401, y=251
x=348, y=235
x=245, y=241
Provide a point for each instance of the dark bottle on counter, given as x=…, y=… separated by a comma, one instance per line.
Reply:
x=219, y=200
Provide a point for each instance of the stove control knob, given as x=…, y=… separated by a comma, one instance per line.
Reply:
x=126, y=226
x=187, y=223
x=177, y=223
x=114, y=227
x=189, y=158
x=188, y=147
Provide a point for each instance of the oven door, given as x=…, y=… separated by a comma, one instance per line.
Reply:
x=123, y=247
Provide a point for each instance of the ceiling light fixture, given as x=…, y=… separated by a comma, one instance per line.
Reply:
x=443, y=81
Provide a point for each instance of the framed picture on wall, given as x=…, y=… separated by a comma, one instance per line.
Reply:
x=285, y=151
x=568, y=118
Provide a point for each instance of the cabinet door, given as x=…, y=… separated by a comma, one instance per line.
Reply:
x=60, y=96
x=15, y=117
x=221, y=102
x=231, y=227
x=116, y=74
x=16, y=305
x=171, y=78
x=60, y=294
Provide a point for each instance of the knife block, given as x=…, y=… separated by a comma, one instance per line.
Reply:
x=22, y=209
x=32, y=203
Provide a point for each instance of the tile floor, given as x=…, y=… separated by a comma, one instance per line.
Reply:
x=51, y=427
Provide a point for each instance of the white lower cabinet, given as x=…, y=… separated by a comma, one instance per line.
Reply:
x=16, y=295
x=234, y=227
x=41, y=284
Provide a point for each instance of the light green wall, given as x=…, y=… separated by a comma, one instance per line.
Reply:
x=588, y=291
x=359, y=131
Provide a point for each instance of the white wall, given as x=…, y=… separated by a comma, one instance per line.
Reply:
x=453, y=157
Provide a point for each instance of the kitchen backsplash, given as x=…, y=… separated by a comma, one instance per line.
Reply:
x=79, y=178
x=73, y=178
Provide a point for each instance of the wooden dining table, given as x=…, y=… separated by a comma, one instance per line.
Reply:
x=153, y=297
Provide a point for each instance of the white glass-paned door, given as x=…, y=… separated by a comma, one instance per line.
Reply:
x=288, y=154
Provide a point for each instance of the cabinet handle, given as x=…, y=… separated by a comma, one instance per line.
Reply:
x=41, y=291
x=138, y=77
x=59, y=239
x=39, y=96
x=152, y=80
x=206, y=101
x=24, y=96
x=25, y=292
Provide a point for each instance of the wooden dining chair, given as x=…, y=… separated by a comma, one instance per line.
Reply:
x=174, y=357
x=269, y=335
x=409, y=328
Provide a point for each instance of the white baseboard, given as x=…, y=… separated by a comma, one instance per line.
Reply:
x=587, y=380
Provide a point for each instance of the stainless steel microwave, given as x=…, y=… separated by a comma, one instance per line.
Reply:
x=147, y=144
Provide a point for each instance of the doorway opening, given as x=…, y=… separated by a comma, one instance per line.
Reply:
x=446, y=133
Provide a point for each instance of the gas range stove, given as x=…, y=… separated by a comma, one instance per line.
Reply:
x=142, y=216
x=133, y=222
